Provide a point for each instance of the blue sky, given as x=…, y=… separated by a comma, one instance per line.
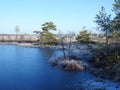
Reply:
x=68, y=15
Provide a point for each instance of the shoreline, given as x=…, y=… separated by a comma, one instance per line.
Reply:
x=34, y=45
x=79, y=50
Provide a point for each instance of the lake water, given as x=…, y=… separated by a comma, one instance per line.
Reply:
x=24, y=68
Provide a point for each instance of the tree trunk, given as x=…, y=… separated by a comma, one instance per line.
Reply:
x=107, y=42
x=117, y=49
x=70, y=46
x=63, y=49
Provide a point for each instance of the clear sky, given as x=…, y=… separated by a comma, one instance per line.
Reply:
x=68, y=15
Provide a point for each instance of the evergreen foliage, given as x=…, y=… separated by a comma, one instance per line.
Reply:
x=45, y=36
x=84, y=36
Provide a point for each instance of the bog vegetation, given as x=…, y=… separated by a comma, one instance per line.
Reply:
x=107, y=55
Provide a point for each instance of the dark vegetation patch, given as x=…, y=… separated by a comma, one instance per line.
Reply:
x=106, y=63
